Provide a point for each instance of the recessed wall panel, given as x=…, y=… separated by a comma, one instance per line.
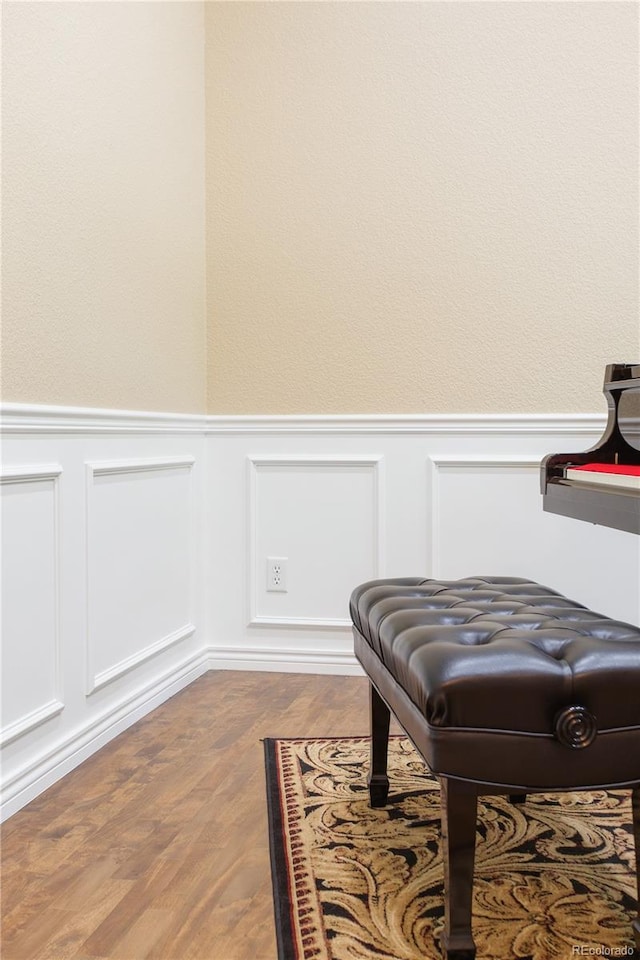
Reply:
x=30, y=602
x=323, y=516
x=488, y=519
x=139, y=561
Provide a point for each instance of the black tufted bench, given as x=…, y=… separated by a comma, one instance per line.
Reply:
x=504, y=686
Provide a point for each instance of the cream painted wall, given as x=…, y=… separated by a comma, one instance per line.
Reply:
x=420, y=206
x=103, y=205
x=411, y=206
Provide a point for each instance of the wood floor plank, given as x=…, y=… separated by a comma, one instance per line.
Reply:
x=77, y=924
x=156, y=848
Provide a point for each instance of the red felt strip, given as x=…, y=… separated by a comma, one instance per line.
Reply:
x=626, y=469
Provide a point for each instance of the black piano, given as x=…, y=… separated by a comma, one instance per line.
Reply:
x=602, y=485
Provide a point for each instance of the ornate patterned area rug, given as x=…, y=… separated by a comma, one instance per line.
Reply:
x=555, y=877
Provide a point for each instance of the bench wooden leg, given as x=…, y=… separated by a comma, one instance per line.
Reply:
x=459, y=807
x=378, y=780
x=635, y=804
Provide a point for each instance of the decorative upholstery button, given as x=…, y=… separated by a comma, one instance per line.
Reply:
x=575, y=727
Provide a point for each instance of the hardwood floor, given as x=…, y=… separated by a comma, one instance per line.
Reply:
x=156, y=847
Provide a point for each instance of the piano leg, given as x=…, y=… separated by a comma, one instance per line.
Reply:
x=635, y=804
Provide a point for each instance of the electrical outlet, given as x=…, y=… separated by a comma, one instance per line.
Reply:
x=277, y=574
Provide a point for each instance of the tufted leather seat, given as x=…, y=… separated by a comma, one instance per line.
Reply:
x=503, y=684
x=491, y=663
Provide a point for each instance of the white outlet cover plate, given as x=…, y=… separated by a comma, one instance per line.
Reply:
x=277, y=574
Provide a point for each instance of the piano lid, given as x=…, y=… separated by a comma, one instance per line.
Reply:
x=600, y=485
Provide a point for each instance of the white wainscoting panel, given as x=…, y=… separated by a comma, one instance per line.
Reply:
x=447, y=496
x=324, y=515
x=135, y=545
x=31, y=692
x=140, y=559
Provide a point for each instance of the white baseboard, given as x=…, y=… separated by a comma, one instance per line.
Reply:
x=284, y=660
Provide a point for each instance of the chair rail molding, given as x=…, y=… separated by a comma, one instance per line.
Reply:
x=25, y=419
x=507, y=424
x=28, y=419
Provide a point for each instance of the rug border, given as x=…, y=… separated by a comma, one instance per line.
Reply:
x=279, y=874
x=283, y=906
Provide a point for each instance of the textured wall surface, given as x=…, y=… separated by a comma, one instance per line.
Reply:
x=103, y=205
x=420, y=206
x=412, y=207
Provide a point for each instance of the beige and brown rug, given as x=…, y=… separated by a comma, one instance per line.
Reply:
x=554, y=877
